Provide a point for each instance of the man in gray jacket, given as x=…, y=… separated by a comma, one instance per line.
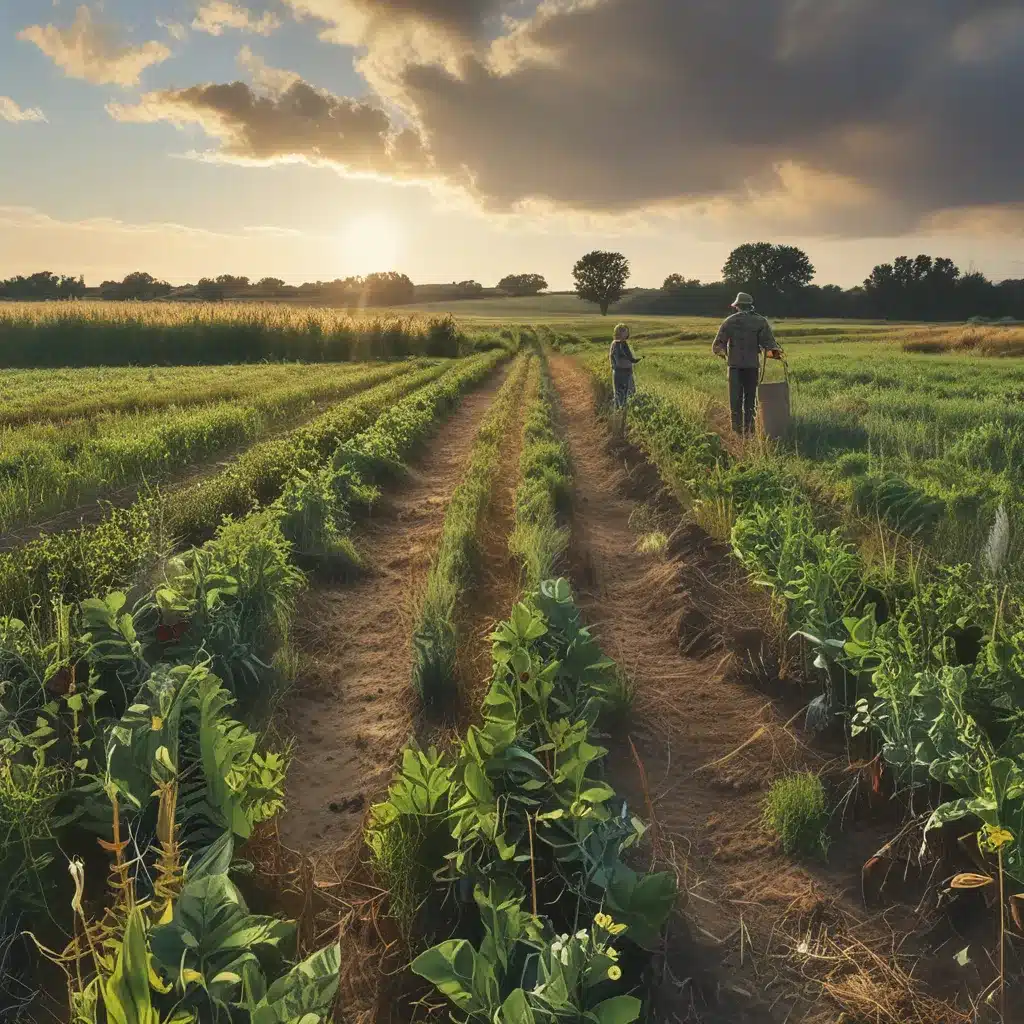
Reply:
x=740, y=341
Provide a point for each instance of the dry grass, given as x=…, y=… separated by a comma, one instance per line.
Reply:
x=979, y=340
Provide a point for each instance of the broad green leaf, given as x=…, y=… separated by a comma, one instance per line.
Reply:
x=516, y=1009
x=126, y=994
x=618, y=1010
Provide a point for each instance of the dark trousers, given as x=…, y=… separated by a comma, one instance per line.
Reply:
x=743, y=397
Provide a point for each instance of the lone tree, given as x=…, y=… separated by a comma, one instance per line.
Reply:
x=601, y=277
x=777, y=268
x=518, y=285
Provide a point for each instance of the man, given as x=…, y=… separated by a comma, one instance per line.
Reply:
x=740, y=341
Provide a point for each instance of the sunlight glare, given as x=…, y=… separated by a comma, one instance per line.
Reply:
x=372, y=243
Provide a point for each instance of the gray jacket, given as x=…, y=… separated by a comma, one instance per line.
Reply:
x=621, y=356
x=742, y=337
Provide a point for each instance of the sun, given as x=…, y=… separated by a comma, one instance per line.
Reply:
x=372, y=242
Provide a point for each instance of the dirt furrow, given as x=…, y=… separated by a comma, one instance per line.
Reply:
x=353, y=707
x=703, y=743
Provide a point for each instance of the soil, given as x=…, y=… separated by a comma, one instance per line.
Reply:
x=353, y=707
x=767, y=937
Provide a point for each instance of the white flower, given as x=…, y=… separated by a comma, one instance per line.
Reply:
x=583, y=935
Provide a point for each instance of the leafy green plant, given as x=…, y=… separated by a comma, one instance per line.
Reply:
x=795, y=813
x=523, y=972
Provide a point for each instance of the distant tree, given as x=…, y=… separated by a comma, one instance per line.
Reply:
x=269, y=284
x=601, y=278
x=676, y=283
x=519, y=285
x=140, y=285
x=388, y=289
x=234, y=284
x=782, y=269
x=925, y=288
x=209, y=290
x=43, y=285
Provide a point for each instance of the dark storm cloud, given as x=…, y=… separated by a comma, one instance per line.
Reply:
x=295, y=121
x=616, y=104
x=848, y=116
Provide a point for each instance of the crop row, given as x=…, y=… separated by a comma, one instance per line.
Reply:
x=65, y=567
x=60, y=395
x=519, y=822
x=539, y=537
x=123, y=727
x=170, y=333
x=928, y=449
x=928, y=663
x=45, y=468
x=435, y=639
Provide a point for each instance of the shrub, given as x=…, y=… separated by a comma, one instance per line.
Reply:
x=794, y=812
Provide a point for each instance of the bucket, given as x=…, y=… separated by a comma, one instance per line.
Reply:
x=773, y=406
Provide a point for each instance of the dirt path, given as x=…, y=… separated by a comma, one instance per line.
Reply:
x=353, y=707
x=696, y=725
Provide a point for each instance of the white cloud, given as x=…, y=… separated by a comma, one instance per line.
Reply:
x=274, y=80
x=94, y=51
x=217, y=15
x=174, y=29
x=10, y=111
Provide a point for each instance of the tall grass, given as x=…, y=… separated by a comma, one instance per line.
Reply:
x=171, y=333
x=434, y=636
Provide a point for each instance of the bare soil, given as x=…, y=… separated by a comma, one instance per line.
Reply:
x=353, y=707
x=766, y=938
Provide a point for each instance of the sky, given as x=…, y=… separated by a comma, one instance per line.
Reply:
x=470, y=139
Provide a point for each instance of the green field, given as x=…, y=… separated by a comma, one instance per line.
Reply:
x=159, y=523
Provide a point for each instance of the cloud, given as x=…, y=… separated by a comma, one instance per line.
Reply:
x=841, y=117
x=217, y=15
x=10, y=111
x=293, y=122
x=93, y=51
x=175, y=29
x=422, y=25
x=272, y=80
x=848, y=113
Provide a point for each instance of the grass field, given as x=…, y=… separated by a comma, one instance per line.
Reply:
x=218, y=579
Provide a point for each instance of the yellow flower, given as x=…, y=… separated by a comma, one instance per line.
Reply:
x=603, y=921
x=995, y=836
x=615, y=972
x=612, y=954
x=617, y=929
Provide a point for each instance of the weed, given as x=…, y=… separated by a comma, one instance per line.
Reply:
x=655, y=543
x=794, y=812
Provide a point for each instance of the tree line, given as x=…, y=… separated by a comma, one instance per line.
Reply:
x=780, y=279
x=382, y=289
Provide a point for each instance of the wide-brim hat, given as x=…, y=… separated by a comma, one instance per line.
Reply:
x=743, y=299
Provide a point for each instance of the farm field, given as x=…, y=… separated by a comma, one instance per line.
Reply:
x=426, y=683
